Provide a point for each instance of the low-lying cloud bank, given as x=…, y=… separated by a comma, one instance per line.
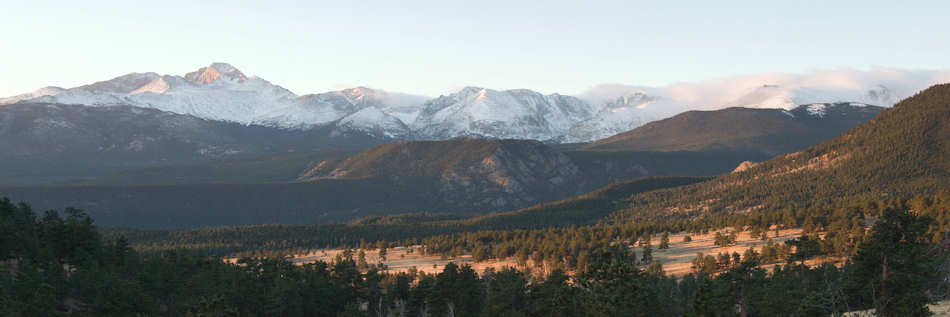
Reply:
x=878, y=86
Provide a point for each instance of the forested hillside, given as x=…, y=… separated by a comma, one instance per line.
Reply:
x=768, y=132
x=406, y=228
x=904, y=152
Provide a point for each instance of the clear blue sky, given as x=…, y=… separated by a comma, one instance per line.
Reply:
x=432, y=47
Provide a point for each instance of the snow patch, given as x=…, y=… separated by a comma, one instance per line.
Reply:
x=817, y=109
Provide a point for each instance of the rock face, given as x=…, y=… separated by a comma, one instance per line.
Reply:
x=494, y=174
x=744, y=166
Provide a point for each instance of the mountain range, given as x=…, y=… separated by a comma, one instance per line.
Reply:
x=221, y=92
x=228, y=186
x=215, y=142
x=901, y=153
x=767, y=131
x=52, y=143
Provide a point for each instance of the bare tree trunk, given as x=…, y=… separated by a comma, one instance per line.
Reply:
x=883, y=313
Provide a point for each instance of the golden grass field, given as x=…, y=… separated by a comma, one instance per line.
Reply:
x=676, y=260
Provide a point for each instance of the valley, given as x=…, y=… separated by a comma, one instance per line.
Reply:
x=676, y=260
x=462, y=197
x=474, y=159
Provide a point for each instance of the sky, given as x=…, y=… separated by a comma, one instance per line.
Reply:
x=435, y=47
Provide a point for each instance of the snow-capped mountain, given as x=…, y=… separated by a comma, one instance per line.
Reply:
x=878, y=86
x=520, y=113
x=618, y=116
x=222, y=92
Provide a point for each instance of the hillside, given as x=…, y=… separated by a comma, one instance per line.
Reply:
x=904, y=152
x=49, y=143
x=275, y=168
x=224, y=240
x=200, y=205
x=768, y=132
x=491, y=174
x=459, y=176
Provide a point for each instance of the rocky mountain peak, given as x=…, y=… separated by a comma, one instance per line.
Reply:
x=207, y=75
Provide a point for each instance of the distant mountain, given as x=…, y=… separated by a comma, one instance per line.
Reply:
x=877, y=86
x=280, y=167
x=221, y=92
x=474, y=176
x=486, y=174
x=903, y=152
x=766, y=131
x=522, y=114
x=459, y=175
x=48, y=143
x=619, y=115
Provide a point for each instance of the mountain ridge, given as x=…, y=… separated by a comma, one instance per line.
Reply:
x=903, y=152
x=770, y=131
x=222, y=92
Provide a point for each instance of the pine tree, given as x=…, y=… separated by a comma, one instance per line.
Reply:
x=665, y=241
x=892, y=267
x=507, y=294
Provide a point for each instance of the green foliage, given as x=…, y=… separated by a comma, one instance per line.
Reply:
x=614, y=286
x=508, y=293
x=110, y=279
x=894, y=266
x=725, y=240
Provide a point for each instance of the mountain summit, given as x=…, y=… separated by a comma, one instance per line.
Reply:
x=222, y=92
x=207, y=75
x=519, y=113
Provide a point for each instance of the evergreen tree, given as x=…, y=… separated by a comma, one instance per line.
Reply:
x=647, y=254
x=507, y=294
x=892, y=267
x=665, y=241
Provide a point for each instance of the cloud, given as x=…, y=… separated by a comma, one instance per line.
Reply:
x=879, y=85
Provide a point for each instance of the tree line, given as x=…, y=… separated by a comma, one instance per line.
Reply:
x=59, y=265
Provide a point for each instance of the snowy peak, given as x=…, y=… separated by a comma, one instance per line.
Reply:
x=626, y=112
x=519, y=113
x=120, y=85
x=157, y=86
x=829, y=110
x=42, y=92
x=207, y=75
x=374, y=121
x=637, y=100
x=471, y=90
x=765, y=96
x=220, y=91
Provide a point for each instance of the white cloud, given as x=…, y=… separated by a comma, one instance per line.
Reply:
x=879, y=86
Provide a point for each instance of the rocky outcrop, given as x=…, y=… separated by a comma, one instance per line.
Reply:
x=495, y=174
